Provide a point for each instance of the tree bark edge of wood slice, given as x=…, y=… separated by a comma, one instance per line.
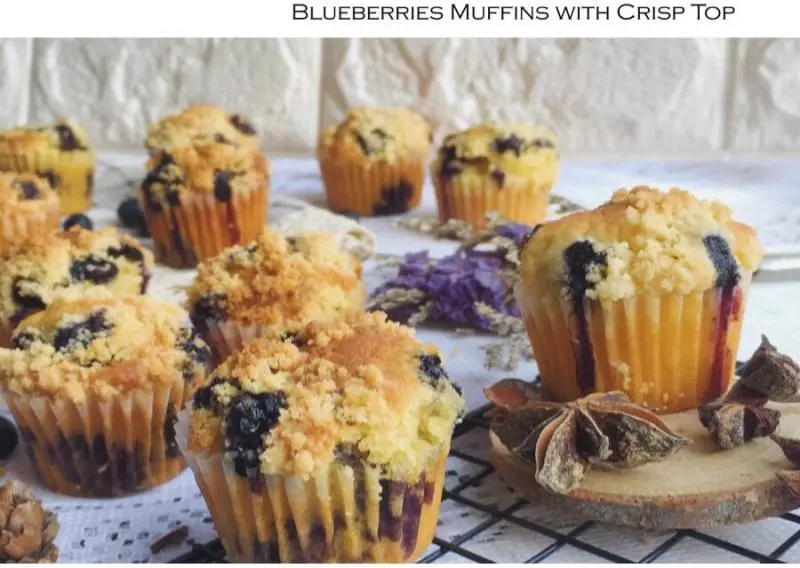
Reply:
x=751, y=493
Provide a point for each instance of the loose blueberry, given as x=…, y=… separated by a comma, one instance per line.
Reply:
x=723, y=260
x=79, y=220
x=242, y=125
x=81, y=333
x=130, y=214
x=8, y=438
x=93, y=269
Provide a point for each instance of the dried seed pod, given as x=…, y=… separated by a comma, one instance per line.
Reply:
x=512, y=393
x=771, y=373
x=731, y=425
x=27, y=530
x=791, y=481
x=790, y=447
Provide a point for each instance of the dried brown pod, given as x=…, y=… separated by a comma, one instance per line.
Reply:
x=562, y=441
x=27, y=530
x=790, y=448
x=791, y=481
x=771, y=373
x=731, y=423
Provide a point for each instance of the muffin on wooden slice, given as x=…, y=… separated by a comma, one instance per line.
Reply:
x=36, y=271
x=199, y=125
x=95, y=383
x=200, y=200
x=273, y=284
x=329, y=446
x=28, y=206
x=373, y=162
x=644, y=295
x=60, y=153
x=495, y=168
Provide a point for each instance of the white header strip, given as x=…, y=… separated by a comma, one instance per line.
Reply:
x=400, y=18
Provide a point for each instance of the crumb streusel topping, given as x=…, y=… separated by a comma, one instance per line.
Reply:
x=24, y=191
x=642, y=240
x=198, y=125
x=498, y=150
x=35, y=271
x=280, y=282
x=370, y=134
x=362, y=390
x=63, y=135
x=93, y=341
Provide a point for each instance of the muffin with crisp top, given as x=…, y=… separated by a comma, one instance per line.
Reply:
x=28, y=207
x=200, y=125
x=95, y=383
x=373, y=162
x=345, y=426
x=644, y=295
x=495, y=168
x=42, y=267
x=60, y=153
x=273, y=284
x=200, y=200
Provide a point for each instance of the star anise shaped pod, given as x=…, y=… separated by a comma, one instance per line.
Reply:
x=27, y=530
x=563, y=440
x=741, y=414
x=791, y=449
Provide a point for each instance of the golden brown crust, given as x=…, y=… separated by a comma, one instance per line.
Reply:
x=38, y=269
x=653, y=242
x=63, y=135
x=279, y=282
x=370, y=134
x=21, y=192
x=93, y=341
x=358, y=387
x=201, y=125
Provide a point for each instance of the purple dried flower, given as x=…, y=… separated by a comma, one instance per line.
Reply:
x=516, y=232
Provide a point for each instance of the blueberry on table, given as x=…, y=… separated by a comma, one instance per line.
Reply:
x=8, y=438
x=80, y=220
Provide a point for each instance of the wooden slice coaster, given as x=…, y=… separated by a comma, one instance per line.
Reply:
x=700, y=486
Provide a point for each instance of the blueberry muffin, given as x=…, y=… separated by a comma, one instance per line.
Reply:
x=28, y=206
x=200, y=200
x=36, y=271
x=60, y=153
x=199, y=125
x=373, y=163
x=274, y=283
x=644, y=295
x=495, y=168
x=329, y=446
x=95, y=383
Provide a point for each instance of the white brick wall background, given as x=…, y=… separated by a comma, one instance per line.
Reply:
x=623, y=97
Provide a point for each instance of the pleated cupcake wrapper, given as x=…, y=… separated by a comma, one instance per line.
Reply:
x=102, y=448
x=74, y=171
x=345, y=514
x=225, y=338
x=658, y=349
x=18, y=225
x=202, y=227
x=470, y=199
x=359, y=189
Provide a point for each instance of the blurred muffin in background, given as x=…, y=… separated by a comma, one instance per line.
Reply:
x=495, y=168
x=60, y=153
x=373, y=162
x=199, y=125
x=28, y=207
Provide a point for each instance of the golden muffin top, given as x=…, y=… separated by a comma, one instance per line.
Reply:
x=201, y=124
x=93, y=342
x=24, y=191
x=370, y=134
x=364, y=390
x=220, y=169
x=498, y=151
x=63, y=135
x=35, y=271
x=275, y=281
x=642, y=240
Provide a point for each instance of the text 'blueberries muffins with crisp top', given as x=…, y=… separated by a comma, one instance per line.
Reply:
x=373, y=162
x=328, y=446
x=495, y=168
x=644, y=295
x=95, y=383
x=28, y=207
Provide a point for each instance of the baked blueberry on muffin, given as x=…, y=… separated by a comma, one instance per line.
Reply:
x=28, y=206
x=36, y=271
x=95, y=383
x=495, y=168
x=644, y=295
x=373, y=163
x=327, y=447
x=199, y=125
x=273, y=284
x=60, y=153
x=200, y=200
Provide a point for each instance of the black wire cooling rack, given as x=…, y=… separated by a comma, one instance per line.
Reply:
x=549, y=537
